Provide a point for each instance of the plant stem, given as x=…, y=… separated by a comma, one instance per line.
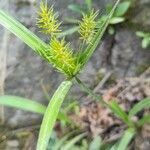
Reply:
x=100, y=99
x=90, y=92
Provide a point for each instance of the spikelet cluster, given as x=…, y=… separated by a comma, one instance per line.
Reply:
x=58, y=52
x=47, y=20
x=87, y=27
x=61, y=56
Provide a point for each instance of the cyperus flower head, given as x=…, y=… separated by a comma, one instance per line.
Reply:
x=47, y=20
x=58, y=52
x=87, y=26
x=62, y=57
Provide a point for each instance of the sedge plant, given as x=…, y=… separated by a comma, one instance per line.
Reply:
x=59, y=53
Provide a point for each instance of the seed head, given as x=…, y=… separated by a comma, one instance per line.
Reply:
x=87, y=26
x=47, y=20
x=62, y=56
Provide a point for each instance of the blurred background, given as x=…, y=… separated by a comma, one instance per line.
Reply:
x=23, y=73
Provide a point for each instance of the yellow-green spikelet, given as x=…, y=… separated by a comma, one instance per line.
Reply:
x=58, y=52
x=47, y=20
x=62, y=58
x=87, y=26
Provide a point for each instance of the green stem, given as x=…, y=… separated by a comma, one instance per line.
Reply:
x=115, y=109
x=90, y=92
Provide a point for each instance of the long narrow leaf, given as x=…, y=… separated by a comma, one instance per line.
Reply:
x=58, y=145
x=73, y=141
x=94, y=43
x=119, y=112
x=28, y=105
x=122, y=8
x=145, y=103
x=22, y=103
x=125, y=140
x=114, y=147
x=70, y=106
x=51, y=114
x=144, y=120
x=63, y=117
x=68, y=31
x=96, y=143
x=22, y=32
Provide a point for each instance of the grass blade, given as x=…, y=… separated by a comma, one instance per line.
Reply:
x=28, y=105
x=122, y=9
x=125, y=140
x=22, y=103
x=63, y=117
x=22, y=32
x=94, y=43
x=116, y=20
x=119, y=112
x=68, y=31
x=62, y=141
x=73, y=141
x=144, y=120
x=114, y=147
x=51, y=114
x=70, y=106
x=145, y=103
x=96, y=143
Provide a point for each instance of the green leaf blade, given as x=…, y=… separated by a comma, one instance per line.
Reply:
x=140, y=34
x=122, y=9
x=71, y=143
x=119, y=112
x=68, y=31
x=96, y=143
x=94, y=43
x=51, y=114
x=145, y=103
x=60, y=142
x=22, y=103
x=116, y=20
x=145, y=119
x=125, y=140
x=145, y=42
x=22, y=32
